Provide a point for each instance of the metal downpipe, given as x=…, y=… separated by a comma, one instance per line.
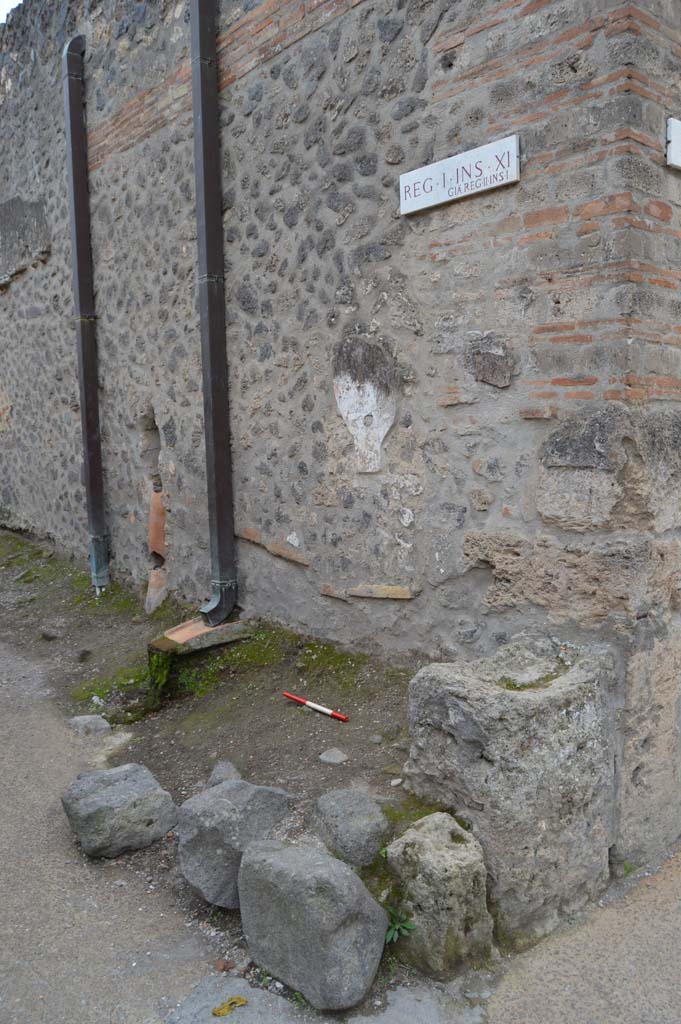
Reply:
x=207, y=171
x=84, y=303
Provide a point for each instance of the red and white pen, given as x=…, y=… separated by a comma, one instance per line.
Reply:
x=317, y=707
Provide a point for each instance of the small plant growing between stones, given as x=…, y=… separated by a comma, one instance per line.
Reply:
x=398, y=925
x=383, y=852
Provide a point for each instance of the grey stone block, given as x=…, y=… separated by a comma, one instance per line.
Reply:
x=90, y=725
x=118, y=809
x=444, y=892
x=351, y=824
x=333, y=756
x=224, y=771
x=310, y=922
x=492, y=360
x=522, y=745
x=214, y=829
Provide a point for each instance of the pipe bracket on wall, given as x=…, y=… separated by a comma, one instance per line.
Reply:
x=84, y=302
x=207, y=170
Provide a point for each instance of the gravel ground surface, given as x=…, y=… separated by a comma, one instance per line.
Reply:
x=79, y=943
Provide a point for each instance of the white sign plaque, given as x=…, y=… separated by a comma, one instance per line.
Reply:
x=478, y=170
x=673, y=142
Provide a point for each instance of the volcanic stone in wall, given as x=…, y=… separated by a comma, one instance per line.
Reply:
x=491, y=359
x=614, y=467
x=522, y=745
x=24, y=236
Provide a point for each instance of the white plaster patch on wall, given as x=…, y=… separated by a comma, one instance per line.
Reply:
x=368, y=413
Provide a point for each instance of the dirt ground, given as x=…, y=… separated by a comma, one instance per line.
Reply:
x=225, y=704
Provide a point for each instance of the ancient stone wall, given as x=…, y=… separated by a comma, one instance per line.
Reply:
x=446, y=426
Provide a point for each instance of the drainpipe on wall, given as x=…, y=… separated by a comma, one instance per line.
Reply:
x=207, y=171
x=84, y=302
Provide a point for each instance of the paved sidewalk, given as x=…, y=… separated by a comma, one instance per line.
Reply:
x=621, y=965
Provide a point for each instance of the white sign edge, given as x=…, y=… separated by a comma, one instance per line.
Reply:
x=443, y=202
x=673, y=148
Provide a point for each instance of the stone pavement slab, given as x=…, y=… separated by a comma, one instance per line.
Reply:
x=418, y=1004
x=621, y=964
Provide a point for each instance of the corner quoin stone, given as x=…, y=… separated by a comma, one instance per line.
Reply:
x=522, y=745
x=118, y=809
x=310, y=922
x=215, y=827
x=444, y=883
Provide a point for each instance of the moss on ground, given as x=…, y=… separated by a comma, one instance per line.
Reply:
x=160, y=667
x=133, y=678
x=205, y=719
x=320, y=663
x=322, y=659
x=175, y=675
x=381, y=882
x=320, y=670
x=37, y=565
x=410, y=809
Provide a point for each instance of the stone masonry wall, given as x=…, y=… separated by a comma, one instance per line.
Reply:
x=446, y=427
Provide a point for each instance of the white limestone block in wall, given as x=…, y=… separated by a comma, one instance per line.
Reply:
x=369, y=413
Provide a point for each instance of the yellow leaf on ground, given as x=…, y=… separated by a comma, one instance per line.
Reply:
x=231, y=1004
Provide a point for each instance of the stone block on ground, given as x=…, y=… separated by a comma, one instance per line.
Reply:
x=90, y=725
x=214, y=829
x=351, y=824
x=224, y=771
x=311, y=923
x=118, y=809
x=333, y=756
x=443, y=882
x=522, y=745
